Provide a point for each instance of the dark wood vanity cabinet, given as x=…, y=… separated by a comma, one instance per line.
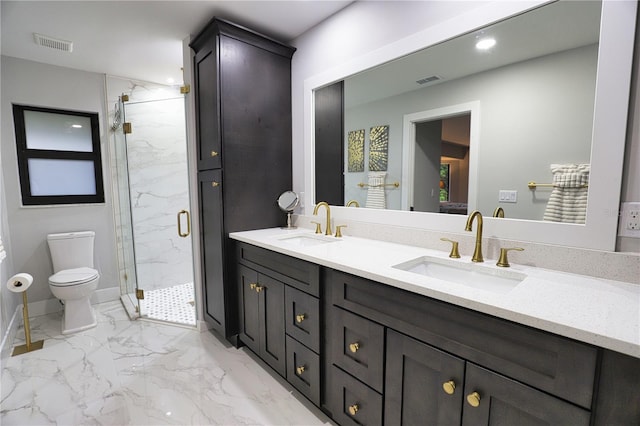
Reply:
x=279, y=315
x=429, y=362
x=242, y=87
x=371, y=354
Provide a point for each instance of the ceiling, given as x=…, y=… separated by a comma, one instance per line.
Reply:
x=142, y=39
x=567, y=25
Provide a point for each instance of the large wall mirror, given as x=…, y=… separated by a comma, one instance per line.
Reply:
x=470, y=129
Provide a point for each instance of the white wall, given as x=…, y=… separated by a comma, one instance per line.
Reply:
x=33, y=83
x=522, y=107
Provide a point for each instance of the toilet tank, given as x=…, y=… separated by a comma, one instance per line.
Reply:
x=71, y=250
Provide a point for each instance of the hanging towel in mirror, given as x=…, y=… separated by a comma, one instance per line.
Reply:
x=375, y=191
x=568, y=200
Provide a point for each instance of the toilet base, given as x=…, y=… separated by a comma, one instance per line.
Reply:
x=78, y=315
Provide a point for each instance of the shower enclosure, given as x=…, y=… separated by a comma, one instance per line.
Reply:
x=152, y=201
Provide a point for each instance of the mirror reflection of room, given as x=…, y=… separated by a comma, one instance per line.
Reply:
x=535, y=95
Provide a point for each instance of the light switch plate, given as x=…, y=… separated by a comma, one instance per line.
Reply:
x=508, y=196
x=629, y=221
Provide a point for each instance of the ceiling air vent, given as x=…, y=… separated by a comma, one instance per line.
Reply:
x=429, y=79
x=53, y=43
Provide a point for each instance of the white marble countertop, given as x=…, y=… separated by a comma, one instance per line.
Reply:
x=600, y=312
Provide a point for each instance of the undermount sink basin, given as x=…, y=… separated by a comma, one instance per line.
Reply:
x=308, y=240
x=470, y=275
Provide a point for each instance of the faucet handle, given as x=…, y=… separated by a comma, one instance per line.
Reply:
x=318, y=227
x=339, y=230
x=503, y=261
x=454, y=248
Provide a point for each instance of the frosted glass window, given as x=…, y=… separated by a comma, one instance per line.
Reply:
x=57, y=132
x=59, y=159
x=61, y=177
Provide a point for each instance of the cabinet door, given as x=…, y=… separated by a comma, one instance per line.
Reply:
x=207, y=106
x=250, y=322
x=502, y=401
x=423, y=385
x=272, y=340
x=212, y=243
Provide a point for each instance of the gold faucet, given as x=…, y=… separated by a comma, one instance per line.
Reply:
x=353, y=203
x=477, y=252
x=498, y=212
x=315, y=213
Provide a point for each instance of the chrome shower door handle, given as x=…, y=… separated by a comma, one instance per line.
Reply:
x=180, y=233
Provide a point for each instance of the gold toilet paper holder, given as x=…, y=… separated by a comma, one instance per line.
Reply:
x=29, y=346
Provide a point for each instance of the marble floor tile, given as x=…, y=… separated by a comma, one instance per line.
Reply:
x=126, y=372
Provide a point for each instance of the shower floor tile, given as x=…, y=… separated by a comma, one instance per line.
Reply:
x=172, y=304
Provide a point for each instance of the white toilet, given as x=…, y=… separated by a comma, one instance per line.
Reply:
x=74, y=279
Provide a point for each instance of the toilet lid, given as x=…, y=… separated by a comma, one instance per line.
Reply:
x=75, y=276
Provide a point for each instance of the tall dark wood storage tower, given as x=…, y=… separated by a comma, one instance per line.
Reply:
x=243, y=124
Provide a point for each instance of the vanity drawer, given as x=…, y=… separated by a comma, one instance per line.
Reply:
x=358, y=347
x=298, y=273
x=303, y=369
x=554, y=364
x=303, y=318
x=351, y=402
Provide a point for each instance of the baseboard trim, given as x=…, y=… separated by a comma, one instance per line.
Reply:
x=10, y=335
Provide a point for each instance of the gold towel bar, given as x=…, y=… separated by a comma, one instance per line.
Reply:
x=534, y=185
x=394, y=184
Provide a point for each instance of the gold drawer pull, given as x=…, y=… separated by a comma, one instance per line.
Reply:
x=353, y=347
x=300, y=370
x=259, y=288
x=474, y=399
x=449, y=387
x=301, y=317
x=214, y=153
x=253, y=286
x=215, y=184
x=353, y=409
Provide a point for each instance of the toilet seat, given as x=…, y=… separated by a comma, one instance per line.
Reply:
x=71, y=277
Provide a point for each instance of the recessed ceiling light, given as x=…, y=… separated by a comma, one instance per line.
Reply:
x=485, y=43
x=170, y=80
x=77, y=126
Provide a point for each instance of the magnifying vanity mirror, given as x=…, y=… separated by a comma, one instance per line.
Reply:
x=547, y=93
x=288, y=201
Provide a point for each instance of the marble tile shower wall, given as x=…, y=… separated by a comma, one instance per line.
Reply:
x=158, y=184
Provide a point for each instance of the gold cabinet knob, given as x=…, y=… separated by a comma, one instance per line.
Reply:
x=353, y=409
x=215, y=184
x=300, y=317
x=353, y=347
x=449, y=387
x=214, y=153
x=474, y=399
x=300, y=370
x=259, y=288
x=253, y=286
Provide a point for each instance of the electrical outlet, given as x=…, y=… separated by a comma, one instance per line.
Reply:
x=629, y=222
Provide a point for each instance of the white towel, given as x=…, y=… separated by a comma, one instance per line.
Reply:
x=375, y=194
x=3, y=253
x=568, y=200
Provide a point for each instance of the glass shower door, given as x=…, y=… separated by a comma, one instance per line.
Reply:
x=159, y=204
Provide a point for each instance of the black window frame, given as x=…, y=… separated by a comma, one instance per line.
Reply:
x=24, y=154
